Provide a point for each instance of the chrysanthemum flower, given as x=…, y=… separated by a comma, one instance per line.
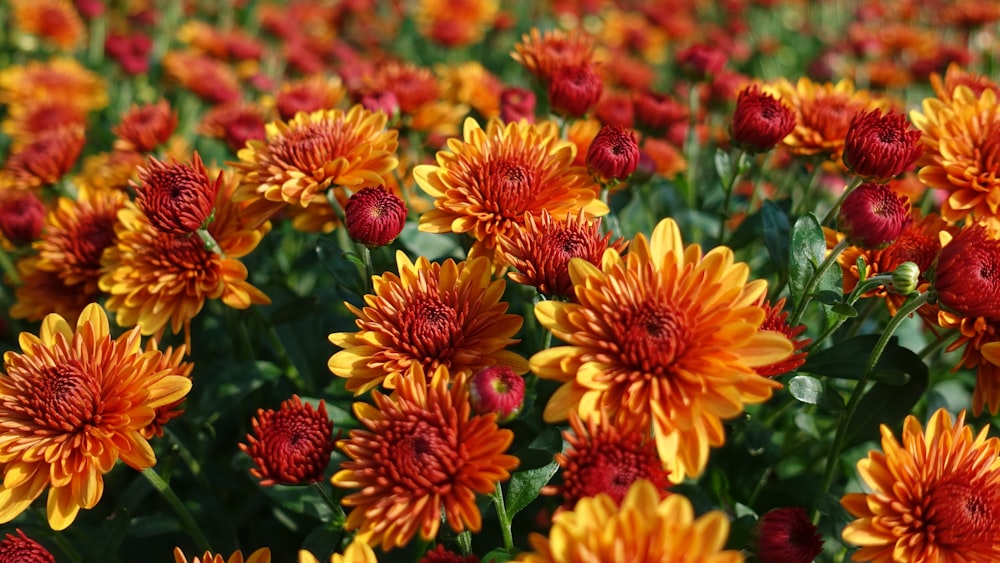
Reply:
x=542, y=53
x=873, y=215
x=642, y=527
x=956, y=76
x=25, y=122
x=131, y=51
x=961, y=149
x=210, y=79
x=56, y=21
x=109, y=170
x=420, y=455
x=665, y=336
x=64, y=78
x=414, y=86
x=312, y=93
x=235, y=123
x=541, y=251
x=605, y=459
x=143, y=128
x=21, y=216
x=880, y=147
x=777, y=320
x=60, y=429
x=659, y=111
x=760, y=121
x=933, y=497
x=291, y=445
x=967, y=274
x=455, y=23
x=46, y=158
x=177, y=198
x=171, y=359
x=486, y=183
x=440, y=554
x=471, y=83
x=356, y=552
x=303, y=158
x=977, y=339
x=429, y=315
x=262, y=555
x=574, y=90
x=613, y=154
x=43, y=291
x=155, y=278
x=22, y=549
x=517, y=104
x=786, y=535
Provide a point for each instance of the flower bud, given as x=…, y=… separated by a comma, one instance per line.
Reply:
x=291, y=445
x=23, y=549
x=517, y=104
x=905, y=278
x=872, y=215
x=880, y=147
x=701, y=61
x=785, y=535
x=177, y=198
x=375, y=216
x=381, y=100
x=967, y=275
x=760, y=121
x=613, y=154
x=574, y=90
x=21, y=217
x=499, y=390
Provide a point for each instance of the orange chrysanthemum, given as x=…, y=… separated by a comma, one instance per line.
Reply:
x=63, y=78
x=666, y=337
x=471, y=83
x=109, y=170
x=823, y=114
x=933, y=498
x=956, y=76
x=977, y=338
x=72, y=403
x=43, y=291
x=643, y=528
x=262, y=555
x=25, y=122
x=356, y=552
x=155, y=278
x=414, y=86
x=210, y=79
x=962, y=153
x=56, y=21
x=543, y=53
x=420, y=455
x=313, y=93
x=455, y=23
x=143, y=128
x=45, y=159
x=429, y=315
x=485, y=184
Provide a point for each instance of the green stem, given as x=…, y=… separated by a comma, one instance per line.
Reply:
x=187, y=520
x=738, y=166
x=909, y=307
x=813, y=282
x=464, y=541
x=855, y=182
x=366, y=256
x=692, y=148
x=71, y=554
x=610, y=221
x=508, y=538
x=95, y=43
x=807, y=194
x=210, y=242
x=338, y=511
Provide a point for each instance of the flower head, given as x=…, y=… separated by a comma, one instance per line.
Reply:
x=56, y=21
x=374, y=216
x=786, y=535
x=933, y=496
x=701, y=60
x=420, y=453
x=455, y=23
x=440, y=554
x=310, y=94
x=21, y=217
x=72, y=403
x=659, y=111
x=46, y=158
x=760, y=121
x=358, y=551
x=880, y=147
x=967, y=275
x=448, y=314
x=235, y=123
x=499, y=390
x=262, y=555
x=543, y=53
x=291, y=445
x=22, y=549
x=777, y=320
x=574, y=90
x=131, y=52
x=177, y=198
x=517, y=104
x=665, y=336
x=207, y=77
x=872, y=215
x=613, y=154
x=143, y=128
x=64, y=78
x=643, y=527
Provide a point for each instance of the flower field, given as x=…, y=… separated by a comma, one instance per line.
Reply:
x=456, y=281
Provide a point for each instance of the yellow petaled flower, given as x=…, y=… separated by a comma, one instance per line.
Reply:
x=64, y=78
x=72, y=403
x=643, y=528
x=455, y=23
x=665, y=337
x=933, y=498
x=356, y=552
x=303, y=158
x=56, y=21
x=471, y=83
x=420, y=458
x=429, y=315
x=156, y=278
x=262, y=555
x=960, y=153
x=484, y=184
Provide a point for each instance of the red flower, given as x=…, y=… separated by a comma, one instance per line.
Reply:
x=760, y=121
x=616, y=109
x=967, y=276
x=659, y=111
x=375, y=216
x=441, y=555
x=292, y=445
x=701, y=61
x=143, y=128
x=880, y=147
x=382, y=100
x=21, y=217
x=613, y=154
x=131, y=52
x=574, y=90
x=776, y=319
x=177, y=198
x=497, y=389
x=785, y=535
x=872, y=215
x=22, y=549
x=516, y=104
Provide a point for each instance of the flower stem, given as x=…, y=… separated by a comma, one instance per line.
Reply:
x=338, y=511
x=610, y=221
x=8, y=267
x=210, y=242
x=855, y=182
x=366, y=256
x=737, y=168
x=508, y=538
x=187, y=520
x=691, y=148
x=813, y=282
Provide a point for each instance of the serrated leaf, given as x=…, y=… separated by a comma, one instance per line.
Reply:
x=776, y=233
x=524, y=487
x=808, y=389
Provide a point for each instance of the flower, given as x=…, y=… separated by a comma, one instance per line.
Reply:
x=46, y=158
x=872, y=215
x=356, y=552
x=517, y=104
x=760, y=121
x=24, y=122
x=310, y=94
x=490, y=180
x=210, y=79
x=455, y=23
x=22, y=549
x=171, y=359
x=43, y=291
x=786, y=535
x=429, y=315
x=543, y=53
x=541, y=251
x=659, y=111
x=967, y=275
x=374, y=216
x=235, y=123
x=61, y=430
x=291, y=445
x=414, y=87
x=57, y=21
x=643, y=527
x=176, y=198
x=605, y=459
x=145, y=127
x=262, y=555
x=420, y=454
x=665, y=336
x=960, y=153
x=956, y=76
x=932, y=498
x=574, y=90
x=776, y=319
x=21, y=217
x=442, y=555
x=613, y=154
x=880, y=147
x=499, y=390
x=303, y=158
x=62, y=77
x=131, y=52
x=702, y=61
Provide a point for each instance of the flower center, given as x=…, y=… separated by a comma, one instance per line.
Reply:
x=430, y=329
x=508, y=187
x=959, y=513
x=651, y=338
x=419, y=454
x=90, y=240
x=63, y=398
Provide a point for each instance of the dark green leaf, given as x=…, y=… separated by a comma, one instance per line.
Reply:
x=829, y=297
x=807, y=251
x=836, y=517
x=434, y=246
x=294, y=309
x=847, y=359
x=498, y=555
x=525, y=485
x=776, y=233
x=112, y=531
x=885, y=403
x=844, y=310
x=533, y=458
x=810, y=390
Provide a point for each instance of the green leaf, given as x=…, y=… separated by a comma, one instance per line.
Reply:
x=807, y=251
x=498, y=555
x=776, y=233
x=836, y=517
x=847, y=359
x=808, y=389
x=524, y=487
x=533, y=458
x=433, y=246
x=828, y=297
x=723, y=164
x=844, y=310
x=886, y=403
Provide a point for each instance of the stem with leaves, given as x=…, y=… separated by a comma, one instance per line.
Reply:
x=814, y=281
x=187, y=520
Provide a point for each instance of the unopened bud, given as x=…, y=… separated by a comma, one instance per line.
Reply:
x=905, y=278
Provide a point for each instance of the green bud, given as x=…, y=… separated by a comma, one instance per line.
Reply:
x=905, y=278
